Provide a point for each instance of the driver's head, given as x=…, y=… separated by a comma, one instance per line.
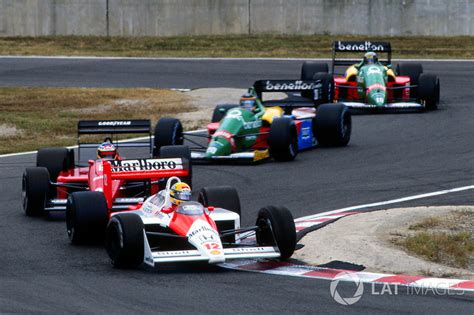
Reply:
x=179, y=193
x=370, y=58
x=107, y=151
x=248, y=101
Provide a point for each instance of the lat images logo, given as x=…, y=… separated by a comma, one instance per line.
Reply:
x=346, y=277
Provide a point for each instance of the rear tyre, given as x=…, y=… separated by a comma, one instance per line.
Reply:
x=168, y=131
x=327, y=90
x=35, y=189
x=308, y=70
x=179, y=151
x=225, y=197
x=125, y=241
x=429, y=90
x=276, y=226
x=332, y=125
x=220, y=111
x=86, y=217
x=283, y=139
x=412, y=70
x=55, y=160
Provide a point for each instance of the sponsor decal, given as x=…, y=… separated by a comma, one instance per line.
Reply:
x=234, y=113
x=226, y=135
x=374, y=70
x=215, y=252
x=200, y=229
x=376, y=86
x=291, y=86
x=253, y=124
x=146, y=165
x=173, y=253
x=115, y=123
x=260, y=155
x=248, y=249
x=365, y=46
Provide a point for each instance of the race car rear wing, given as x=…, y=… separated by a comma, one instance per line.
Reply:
x=310, y=87
x=362, y=47
x=141, y=169
x=113, y=128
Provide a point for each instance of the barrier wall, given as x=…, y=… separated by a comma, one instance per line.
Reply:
x=198, y=17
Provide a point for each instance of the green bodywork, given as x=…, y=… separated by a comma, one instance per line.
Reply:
x=371, y=83
x=237, y=131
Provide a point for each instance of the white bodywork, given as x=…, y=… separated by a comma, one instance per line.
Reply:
x=201, y=234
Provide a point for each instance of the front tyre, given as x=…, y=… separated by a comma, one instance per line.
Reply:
x=35, y=190
x=332, y=125
x=179, y=151
x=86, y=217
x=276, y=226
x=125, y=240
x=429, y=90
x=283, y=139
x=225, y=197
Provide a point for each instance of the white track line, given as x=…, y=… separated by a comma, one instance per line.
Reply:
x=387, y=202
x=75, y=146
x=208, y=58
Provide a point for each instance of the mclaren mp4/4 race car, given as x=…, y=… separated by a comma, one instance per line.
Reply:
x=273, y=128
x=158, y=231
x=372, y=83
x=46, y=187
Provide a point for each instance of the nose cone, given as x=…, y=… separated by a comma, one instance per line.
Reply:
x=219, y=146
x=377, y=97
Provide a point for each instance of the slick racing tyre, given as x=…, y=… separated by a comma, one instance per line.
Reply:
x=308, y=70
x=35, y=188
x=225, y=197
x=283, y=139
x=179, y=151
x=168, y=131
x=55, y=160
x=125, y=241
x=412, y=70
x=220, y=111
x=86, y=217
x=327, y=90
x=428, y=90
x=276, y=226
x=332, y=125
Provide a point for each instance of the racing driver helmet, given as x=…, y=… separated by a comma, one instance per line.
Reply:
x=180, y=192
x=248, y=102
x=370, y=58
x=107, y=151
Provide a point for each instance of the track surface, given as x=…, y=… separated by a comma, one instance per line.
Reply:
x=389, y=156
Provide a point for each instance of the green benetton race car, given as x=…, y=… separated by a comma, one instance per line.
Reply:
x=255, y=130
x=372, y=83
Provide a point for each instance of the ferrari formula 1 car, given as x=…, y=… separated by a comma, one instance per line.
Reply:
x=276, y=128
x=372, y=83
x=209, y=230
x=45, y=188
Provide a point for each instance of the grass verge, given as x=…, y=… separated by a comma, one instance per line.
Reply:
x=448, y=240
x=303, y=46
x=31, y=118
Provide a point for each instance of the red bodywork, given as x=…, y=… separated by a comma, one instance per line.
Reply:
x=99, y=177
x=352, y=94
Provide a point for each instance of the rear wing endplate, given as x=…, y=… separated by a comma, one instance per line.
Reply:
x=359, y=46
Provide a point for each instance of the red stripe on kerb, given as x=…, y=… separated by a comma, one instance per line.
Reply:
x=325, y=273
x=266, y=265
x=401, y=279
x=464, y=285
